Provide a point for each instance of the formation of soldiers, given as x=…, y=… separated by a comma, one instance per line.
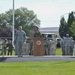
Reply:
x=67, y=45
x=7, y=47
x=49, y=45
x=23, y=46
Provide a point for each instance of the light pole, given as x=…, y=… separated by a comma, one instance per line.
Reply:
x=13, y=24
x=64, y=15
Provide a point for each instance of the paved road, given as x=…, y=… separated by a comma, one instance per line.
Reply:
x=36, y=58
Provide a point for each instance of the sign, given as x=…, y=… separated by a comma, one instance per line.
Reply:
x=38, y=42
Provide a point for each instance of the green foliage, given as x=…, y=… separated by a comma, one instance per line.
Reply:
x=67, y=27
x=71, y=18
x=72, y=29
x=23, y=17
x=63, y=27
x=3, y=21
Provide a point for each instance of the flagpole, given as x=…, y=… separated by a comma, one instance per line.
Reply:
x=13, y=24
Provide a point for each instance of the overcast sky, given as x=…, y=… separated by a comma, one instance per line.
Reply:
x=48, y=11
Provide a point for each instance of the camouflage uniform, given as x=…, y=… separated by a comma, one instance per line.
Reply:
x=20, y=39
x=33, y=34
x=4, y=46
x=63, y=46
x=72, y=46
x=37, y=35
x=50, y=47
x=10, y=47
x=68, y=45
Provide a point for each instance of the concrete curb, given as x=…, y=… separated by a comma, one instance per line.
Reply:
x=28, y=58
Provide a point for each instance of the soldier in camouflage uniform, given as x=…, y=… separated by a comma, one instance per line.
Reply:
x=46, y=46
x=63, y=46
x=68, y=45
x=72, y=46
x=31, y=39
x=50, y=48
x=19, y=39
x=37, y=33
x=4, y=46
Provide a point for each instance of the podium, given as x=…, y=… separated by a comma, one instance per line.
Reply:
x=38, y=46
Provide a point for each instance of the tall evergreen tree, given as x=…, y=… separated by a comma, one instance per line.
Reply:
x=72, y=30
x=67, y=27
x=71, y=18
x=63, y=27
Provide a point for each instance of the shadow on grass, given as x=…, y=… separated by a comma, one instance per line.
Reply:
x=61, y=62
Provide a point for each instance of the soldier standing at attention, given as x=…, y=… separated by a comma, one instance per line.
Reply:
x=10, y=47
x=67, y=44
x=4, y=46
x=72, y=46
x=63, y=46
x=19, y=39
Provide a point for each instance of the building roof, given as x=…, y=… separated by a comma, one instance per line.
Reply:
x=50, y=29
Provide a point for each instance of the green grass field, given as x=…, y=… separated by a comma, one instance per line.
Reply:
x=38, y=68
x=58, y=51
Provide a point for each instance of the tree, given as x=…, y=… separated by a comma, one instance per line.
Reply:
x=72, y=29
x=23, y=17
x=63, y=27
x=67, y=27
x=71, y=19
x=3, y=21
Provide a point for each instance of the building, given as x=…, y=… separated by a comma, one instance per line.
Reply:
x=52, y=33
x=51, y=30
